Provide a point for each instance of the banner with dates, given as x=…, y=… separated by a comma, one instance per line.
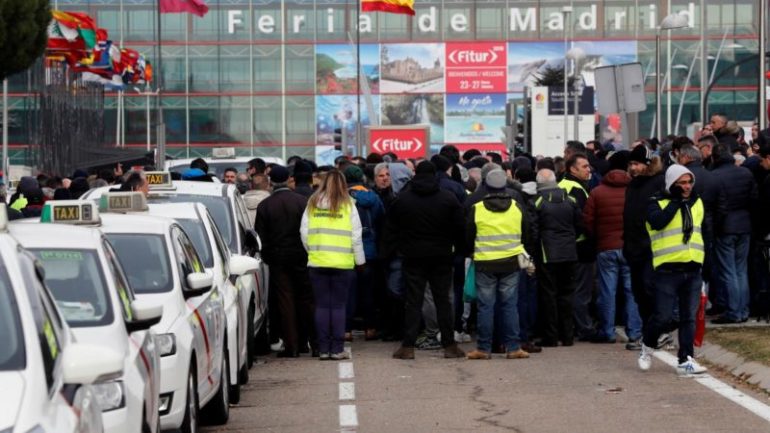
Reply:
x=476, y=67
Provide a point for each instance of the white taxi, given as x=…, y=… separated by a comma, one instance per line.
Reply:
x=208, y=242
x=163, y=267
x=221, y=159
x=44, y=374
x=230, y=215
x=92, y=293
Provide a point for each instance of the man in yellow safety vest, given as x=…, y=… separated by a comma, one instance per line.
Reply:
x=674, y=222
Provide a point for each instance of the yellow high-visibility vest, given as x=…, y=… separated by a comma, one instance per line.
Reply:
x=498, y=234
x=330, y=238
x=568, y=185
x=667, y=244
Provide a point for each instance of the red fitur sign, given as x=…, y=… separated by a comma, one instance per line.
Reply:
x=476, y=67
x=410, y=141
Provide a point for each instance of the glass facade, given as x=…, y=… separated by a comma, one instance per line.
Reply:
x=273, y=77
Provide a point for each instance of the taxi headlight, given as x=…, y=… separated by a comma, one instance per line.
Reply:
x=109, y=395
x=166, y=344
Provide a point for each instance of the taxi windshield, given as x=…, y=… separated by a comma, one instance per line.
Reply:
x=219, y=207
x=12, y=357
x=197, y=233
x=76, y=281
x=144, y=259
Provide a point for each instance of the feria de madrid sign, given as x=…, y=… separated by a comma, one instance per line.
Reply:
x=520, y=19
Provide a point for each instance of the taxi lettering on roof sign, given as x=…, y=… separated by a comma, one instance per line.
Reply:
x=123, y=202
x=69, y=212
x=158, y=179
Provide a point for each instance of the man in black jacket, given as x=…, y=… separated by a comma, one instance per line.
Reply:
x=558, y=221
x=425, y=225
x=290, y=297
x=646, y=181
x=732, y=229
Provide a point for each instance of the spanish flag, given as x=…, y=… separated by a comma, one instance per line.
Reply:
x=405, y=7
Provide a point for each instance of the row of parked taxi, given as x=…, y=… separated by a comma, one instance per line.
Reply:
x=129, y=312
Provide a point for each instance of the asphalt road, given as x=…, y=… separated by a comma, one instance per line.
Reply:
x=585, y=388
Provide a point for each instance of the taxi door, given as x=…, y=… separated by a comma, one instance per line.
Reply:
x=142, y=353
x=206, y=316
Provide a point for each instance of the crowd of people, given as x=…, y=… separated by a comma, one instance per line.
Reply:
x=526, y=253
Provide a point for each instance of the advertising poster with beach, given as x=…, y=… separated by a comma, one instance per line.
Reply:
x=411, y=68
x=474, y=118
x=336, y=68
x=415, y=110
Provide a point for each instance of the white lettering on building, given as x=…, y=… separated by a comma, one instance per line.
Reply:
x=524, y=19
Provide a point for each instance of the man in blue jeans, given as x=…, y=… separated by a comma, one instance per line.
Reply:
x=496, y=228
x=603, y=219
x=674, y=224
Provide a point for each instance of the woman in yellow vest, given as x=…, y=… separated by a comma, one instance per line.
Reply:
x=331, y=234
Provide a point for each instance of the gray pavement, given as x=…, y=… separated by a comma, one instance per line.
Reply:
x=585, y=388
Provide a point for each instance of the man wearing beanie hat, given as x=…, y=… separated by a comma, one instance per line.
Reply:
x=674, y=221
x=371, y=213
x=290, y=297
x=425, y=225
x=646, y=181
x=443, y=172
x=498, y=228
x=303, y=177
x=558, y=222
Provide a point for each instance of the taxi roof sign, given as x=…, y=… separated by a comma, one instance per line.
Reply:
x=223, y=152
x=122, y=202
x=158, y=179
x=70, y=212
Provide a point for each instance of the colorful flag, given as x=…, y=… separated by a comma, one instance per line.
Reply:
x=196, y=7
x=405, y=7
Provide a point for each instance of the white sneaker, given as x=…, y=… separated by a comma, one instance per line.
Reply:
x=340, y=356
x=645, y=358
x=690, y=367
x=665, y=341
x=277, y=347
x=462, y=337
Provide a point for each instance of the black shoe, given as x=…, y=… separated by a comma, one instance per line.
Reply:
x=547, y=343
x=724, y=321
x=601, y=339
x=287, y=354
x=567, y=343
x=531, y=348
x=316, y=353
x=586, y=337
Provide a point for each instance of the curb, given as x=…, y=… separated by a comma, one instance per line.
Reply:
x=750, y=372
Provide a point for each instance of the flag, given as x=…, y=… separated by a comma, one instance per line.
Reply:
x=196, y=7
x=405, y=7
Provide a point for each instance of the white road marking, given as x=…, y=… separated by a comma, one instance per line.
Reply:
x=747, y=402
x=348, y=417
x=347, y=391
x=346, y=370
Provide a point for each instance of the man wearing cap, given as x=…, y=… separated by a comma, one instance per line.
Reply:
x=646, y=181
x=290, y=297
x=425, y=225
x=497, y=227
x=674, y=219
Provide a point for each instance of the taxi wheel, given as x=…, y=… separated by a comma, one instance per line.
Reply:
x=250, y=339
x=217, y=411
x=190, y=421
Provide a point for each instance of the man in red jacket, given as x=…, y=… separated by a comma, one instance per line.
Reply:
x=603, y=218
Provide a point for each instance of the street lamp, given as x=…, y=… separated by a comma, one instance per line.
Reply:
x=576, y=54
x=671, y=22
x=565, y=13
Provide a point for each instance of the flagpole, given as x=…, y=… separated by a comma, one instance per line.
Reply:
x=160, y=148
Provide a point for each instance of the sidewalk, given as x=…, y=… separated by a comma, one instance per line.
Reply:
x=748, y=371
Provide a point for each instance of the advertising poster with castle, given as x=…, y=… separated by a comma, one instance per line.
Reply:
x=412, y=68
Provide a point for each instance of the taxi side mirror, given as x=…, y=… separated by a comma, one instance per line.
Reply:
x=198, y=283
x=146, y=315
x=84, y=364
x=242, y=265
